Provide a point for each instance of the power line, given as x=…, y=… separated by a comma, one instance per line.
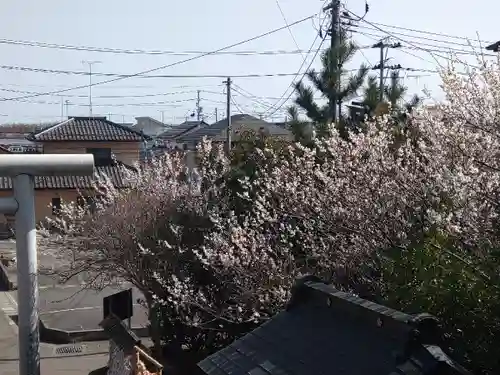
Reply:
x=301, y=78
x=25, y=43
x=123, y=76
x=286, y=23
x=167, y=103
x=168, y=65
x=434, y=47
x=297, y=74
x=461, y=44
x=427, y=32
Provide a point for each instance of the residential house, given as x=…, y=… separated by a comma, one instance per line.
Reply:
x=150, y=126
x=240, y=124
x=325, y=331
x=169, y=137
x=114, y=147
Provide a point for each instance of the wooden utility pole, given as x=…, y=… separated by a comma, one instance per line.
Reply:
x=199, y=109
x=228, y=114
x=381, y=65
x=334, y=8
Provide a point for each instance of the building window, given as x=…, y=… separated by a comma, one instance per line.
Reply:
x=56, y=206
x=87, y=202
x=102, y=156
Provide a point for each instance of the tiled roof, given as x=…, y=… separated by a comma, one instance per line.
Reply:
x=88, y=129
x=182, y=129
x=325, y=331
x=114, y=172
x=217, y=130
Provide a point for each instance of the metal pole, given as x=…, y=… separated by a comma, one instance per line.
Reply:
x=198, y=109
x=27, y=270
x=228, y=114
x=62, y=108
x=90, y=63
x=90, y=89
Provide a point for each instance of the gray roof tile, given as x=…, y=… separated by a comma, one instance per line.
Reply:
x=181, y=129
x=114, y=172
x=325, y=331
x=87, y=129
x=217, y=130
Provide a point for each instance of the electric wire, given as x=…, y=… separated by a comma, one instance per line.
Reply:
x=167, y=65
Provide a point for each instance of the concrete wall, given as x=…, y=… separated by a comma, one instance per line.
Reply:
x=126, y=152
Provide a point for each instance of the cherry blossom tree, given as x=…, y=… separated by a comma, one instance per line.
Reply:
x=335, y=209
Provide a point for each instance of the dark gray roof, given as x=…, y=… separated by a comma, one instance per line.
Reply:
x=181, y=129
x=87, y=129
x=217, y=129
x=324, y=331
x=115, y=172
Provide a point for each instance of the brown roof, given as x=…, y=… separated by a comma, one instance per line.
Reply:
x=87, y=129
x=114, y=172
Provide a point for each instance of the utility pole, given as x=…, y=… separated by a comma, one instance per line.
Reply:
x=162, y=116
x=199, y=109
x=216, y=114
x=334, y=8
x=67, y=108
x=228, y=115
x=381, y=65
x=90, y=63
x=62, y=108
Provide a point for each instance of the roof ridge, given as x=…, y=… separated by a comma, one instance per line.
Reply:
x=101, y=125
x=350, y=304
x=126, y=128
x=35, y=134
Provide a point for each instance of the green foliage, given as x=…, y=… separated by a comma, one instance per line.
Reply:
x=461, y=290
x=393, y=94
x=326, y=82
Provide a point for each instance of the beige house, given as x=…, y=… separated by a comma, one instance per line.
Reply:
x=114, y=147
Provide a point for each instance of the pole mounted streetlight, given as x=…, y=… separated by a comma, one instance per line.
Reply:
x=23, y=169
x=90, y=63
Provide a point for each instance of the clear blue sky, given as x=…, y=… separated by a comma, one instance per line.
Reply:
x=204, y=26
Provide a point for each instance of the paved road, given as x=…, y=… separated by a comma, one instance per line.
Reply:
x=67, y=306
x=70, y=308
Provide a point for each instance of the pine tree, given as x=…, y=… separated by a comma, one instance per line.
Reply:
x=325, y=81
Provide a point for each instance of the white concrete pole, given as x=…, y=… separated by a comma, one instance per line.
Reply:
x=22, y=169
x=27, y=273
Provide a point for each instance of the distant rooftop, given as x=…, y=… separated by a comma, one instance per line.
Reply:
x=87, y=129
x=239, y=121
x=181, y=129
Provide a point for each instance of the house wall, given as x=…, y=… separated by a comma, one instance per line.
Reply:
x=126, y=152
x=43, y=201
